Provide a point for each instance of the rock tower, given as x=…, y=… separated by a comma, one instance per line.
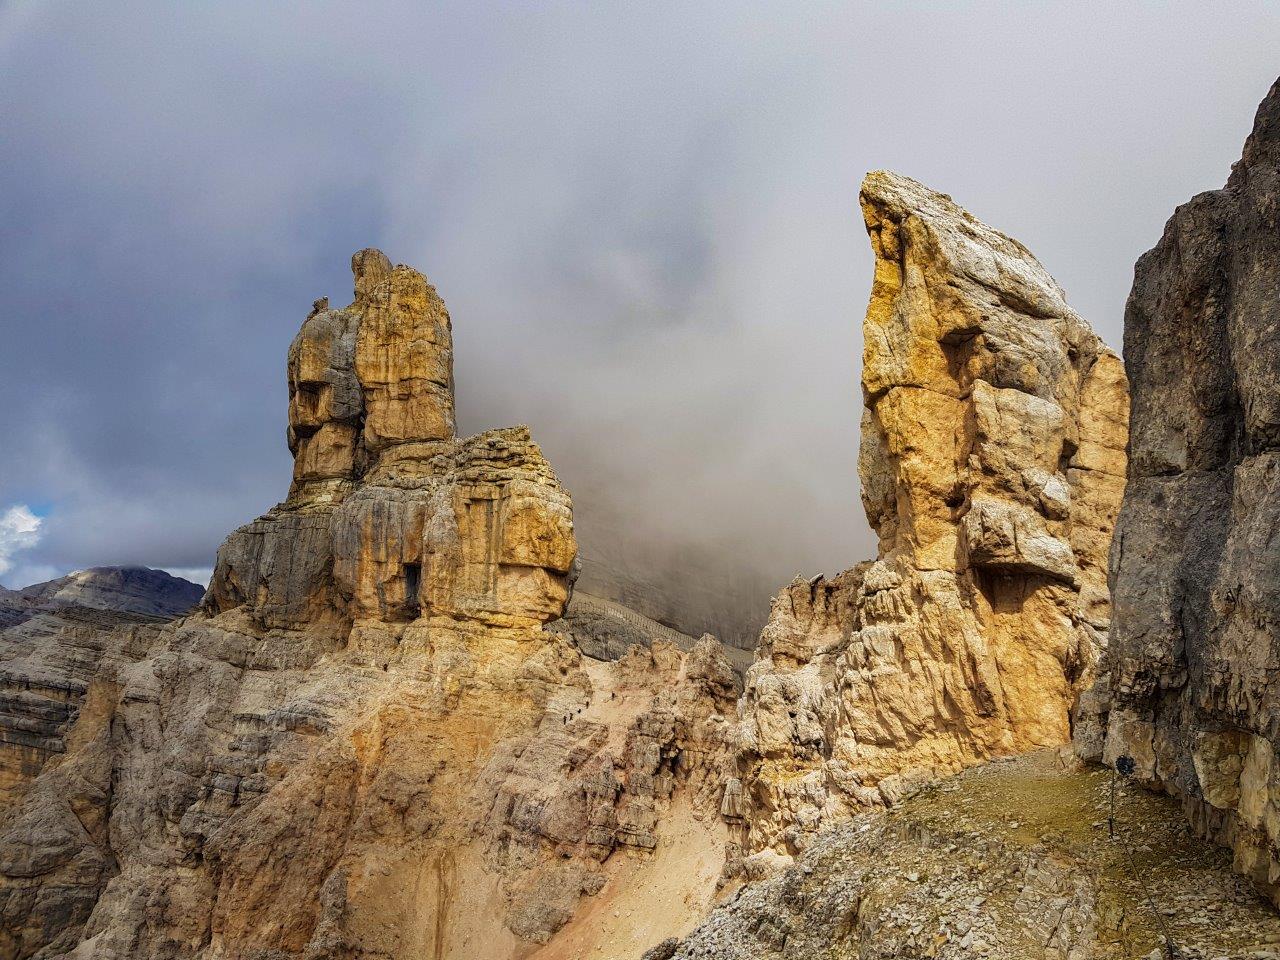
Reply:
x=390, y=517
x=364, y=744
x=992, y=467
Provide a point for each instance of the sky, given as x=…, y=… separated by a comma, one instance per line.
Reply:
x=643, y=218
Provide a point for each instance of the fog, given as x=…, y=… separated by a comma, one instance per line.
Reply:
x=643, y=218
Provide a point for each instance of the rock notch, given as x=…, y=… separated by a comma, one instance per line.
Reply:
x=992, y=467
x=1193, y=693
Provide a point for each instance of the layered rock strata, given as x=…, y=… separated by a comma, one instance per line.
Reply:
x=47, y=664
x=1192, y=693
x=992, y=466
x=54, y=638
x=365, y=744
x=390, y=516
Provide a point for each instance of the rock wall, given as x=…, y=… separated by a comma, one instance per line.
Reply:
x=1192, y=694
x=364, y=744
x=47, y=664
x=992, y=466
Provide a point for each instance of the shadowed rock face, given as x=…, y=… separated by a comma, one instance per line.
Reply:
x=364, y=743
x=992, y=466
x=1193, y=695
x=683, y=591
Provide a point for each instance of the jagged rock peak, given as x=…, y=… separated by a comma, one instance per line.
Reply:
x=125, y=589
x=373, y=375
x=390, y=515
x=966, y=329
x=1191, y=692
x=963, y=242
x=370, y=267
x=992, y=465
x=365, y=744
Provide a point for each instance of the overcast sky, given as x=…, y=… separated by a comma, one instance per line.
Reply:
x=643, y=218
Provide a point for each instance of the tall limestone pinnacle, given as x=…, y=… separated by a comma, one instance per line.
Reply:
x=389, y=516
x=992, y=467
x=370, y=376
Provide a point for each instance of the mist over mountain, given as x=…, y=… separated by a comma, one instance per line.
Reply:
x=642, y=221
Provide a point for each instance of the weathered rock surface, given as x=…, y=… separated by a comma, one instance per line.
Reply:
x=1192, y=694
x=47, y=665
x=992, y=466
x=1009, y=860
x=390, y=516
x=364, y=744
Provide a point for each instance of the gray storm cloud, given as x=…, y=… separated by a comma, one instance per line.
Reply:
x=643, y=218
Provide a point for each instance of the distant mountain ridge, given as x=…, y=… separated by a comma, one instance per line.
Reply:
x=55, y=637
x=139, y=590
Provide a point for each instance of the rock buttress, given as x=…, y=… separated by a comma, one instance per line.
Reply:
x=390, y=516
x=992, y=466
x=1192, y=693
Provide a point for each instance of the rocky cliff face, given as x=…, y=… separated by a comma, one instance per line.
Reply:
x=992, y=467
x=1193, y=695
x=390, y=517
x=364, y=744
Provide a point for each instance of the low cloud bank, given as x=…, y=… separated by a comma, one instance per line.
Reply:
x=644, y=222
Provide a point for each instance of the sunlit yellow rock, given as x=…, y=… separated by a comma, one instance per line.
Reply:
x=992, y=467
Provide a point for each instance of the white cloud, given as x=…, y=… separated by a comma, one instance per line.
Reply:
x=19, y=529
